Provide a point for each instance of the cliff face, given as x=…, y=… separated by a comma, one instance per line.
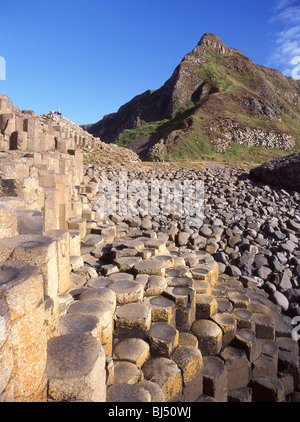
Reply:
x=215, y=97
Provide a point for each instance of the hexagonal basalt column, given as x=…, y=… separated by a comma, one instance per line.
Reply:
x=189, y=360
x=206, y=306
x=244, y=318
x=246, y=340
x=103, y=311
x=154, y=389
x=102, y=294
x=8, y=221
x=208, y=272
x=168, y=260
x=80, y=324
x=163, y=339
x=209, y=336
x=264, y=326
x=156, y=285
x=132, y=320
x=126, y=372
x=184, y=299
x=23, y=330
x=39, y=251
x=21, y=286
x=167, y=375
x=127, y=263
x=134, y=350
x=238, y=299
x=227, y=323
x=267, y=389
x=67, y=379
x=127, y=291
x=162, y=309
x=238, y=367
x=158, y=244
x=128, y=393
x=62, y=238
x=150, y=266
x=215, y=378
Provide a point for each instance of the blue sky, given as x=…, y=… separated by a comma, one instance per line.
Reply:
x=89, y=57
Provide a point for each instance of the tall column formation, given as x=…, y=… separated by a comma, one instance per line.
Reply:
x=40, y=174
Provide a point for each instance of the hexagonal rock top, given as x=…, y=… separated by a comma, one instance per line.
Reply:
x=163, y=339
x=69, y=380
x=127, y=291
x=132, y=320
x=134, y=350
x=209, y=336
x=150, y=266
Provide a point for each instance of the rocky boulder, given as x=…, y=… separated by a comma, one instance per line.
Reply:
x=283, y=172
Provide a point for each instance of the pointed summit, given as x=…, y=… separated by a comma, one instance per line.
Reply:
x=210, y=38
x=215, y=97
x=209, y=43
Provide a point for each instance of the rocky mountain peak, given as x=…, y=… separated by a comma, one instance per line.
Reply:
x=209, y=44
x=212, y=42
x=215, y=98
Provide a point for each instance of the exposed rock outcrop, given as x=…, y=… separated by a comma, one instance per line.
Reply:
x=215, y=96
x=22, y=130
x=283, y=172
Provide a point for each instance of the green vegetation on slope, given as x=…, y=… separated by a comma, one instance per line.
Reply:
x=229, y=84
x=130, y=135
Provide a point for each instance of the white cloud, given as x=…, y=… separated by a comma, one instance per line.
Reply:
x=281, y=4
x=287, y=41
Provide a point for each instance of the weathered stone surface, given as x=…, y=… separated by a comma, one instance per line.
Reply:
x=246, y=340
x=185, y=304
x=227, y=323
x=127, y=291
x=163, y=339
x=189, y=360
x=156, y=285
x=102, y=294
x=244, y=319
x=40, y=251
x=132, y=320
x=267, y=389
x=103, y=311
x=188, y=339
x=62, y=238
x=21, y=287
x=154, y=389
x=162, y=309
x=6, y=351
x=241, y=395
x=209, y=336
x=77, y=323
x=128, y=393
x=151, y=267
x=206, y=306
x=238, y=368
x=167, y=375
x=126, y=263
x=126, y=372
x=68, y=381
x=8, y=221
x=215, y=382
x=281, y=172
x=134, y=350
